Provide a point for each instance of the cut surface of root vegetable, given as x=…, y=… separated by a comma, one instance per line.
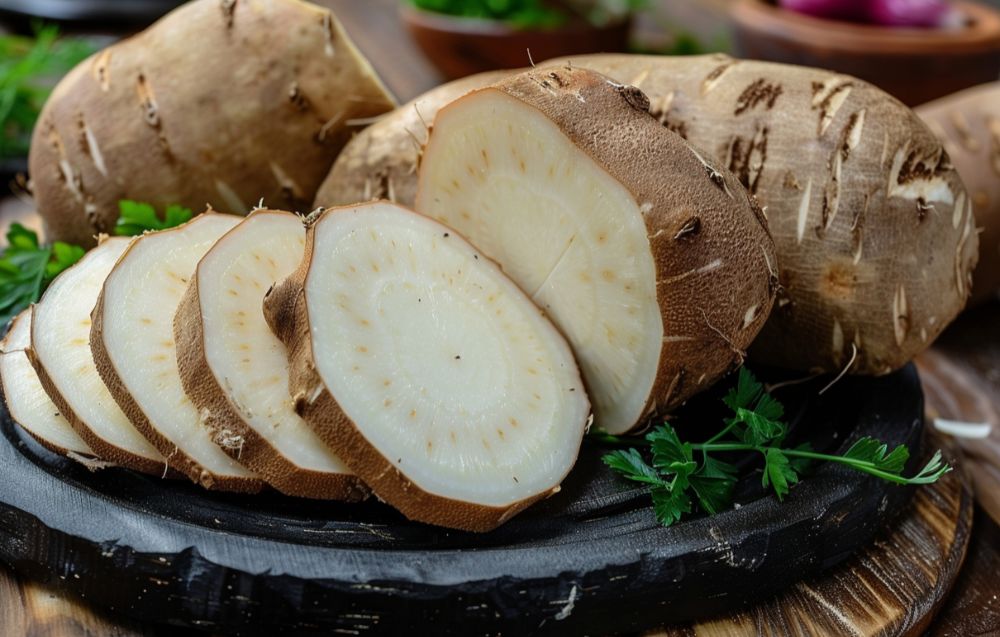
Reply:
x=61, y=354
x=235, y=370
x=427, y=369
x=652, y=262
x=132, y=338
x=28, y=404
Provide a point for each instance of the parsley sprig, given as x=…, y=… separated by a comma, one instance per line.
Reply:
x=136, y=217
x=26, y=268
x=681, y=472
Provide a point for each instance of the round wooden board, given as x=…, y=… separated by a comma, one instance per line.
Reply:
x=590, y=560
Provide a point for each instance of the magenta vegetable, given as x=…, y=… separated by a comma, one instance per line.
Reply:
x=898, y=13
x=907, y=13
x=853, y=10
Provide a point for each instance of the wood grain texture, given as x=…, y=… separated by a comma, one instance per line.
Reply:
x=961, y=380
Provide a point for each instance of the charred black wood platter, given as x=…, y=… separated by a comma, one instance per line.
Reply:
x=590, y=560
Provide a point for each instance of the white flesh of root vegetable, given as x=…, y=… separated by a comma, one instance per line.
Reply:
x=133, y=342
x=653, y=263
x=430, y=372
x=568, y=233
x=235, y=369
x=61, y=353
x=27, y=402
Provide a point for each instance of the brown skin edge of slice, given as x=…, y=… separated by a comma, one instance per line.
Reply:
x=256, y=452
x=286, y=313
x=104, y=449
x=176, y=458
x=51, y=446
x=729, y=222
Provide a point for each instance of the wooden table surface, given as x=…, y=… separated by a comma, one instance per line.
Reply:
x=961, y=376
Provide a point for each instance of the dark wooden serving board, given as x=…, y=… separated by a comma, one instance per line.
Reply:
x=590, y=560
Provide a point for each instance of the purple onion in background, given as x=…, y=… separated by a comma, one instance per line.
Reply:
x=907, y=13
x=854, y=10
x=895, y=13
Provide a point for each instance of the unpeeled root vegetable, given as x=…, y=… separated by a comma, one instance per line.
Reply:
x=656, y=265
x=219, y=102
x=132, y=339
x=968, y=124
x=875, y=235
x=381, y=161
x=61, y=354
x=28, y=404
x=433, y=376
x=235, y=370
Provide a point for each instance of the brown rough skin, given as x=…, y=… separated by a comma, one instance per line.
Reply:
x=877, y=275
x=381, y=161
x=968, y=124
x=46, y=385
x=176, y=458
x=220, y=102
x=105, y=451
x=256, y=453
x=695, y=214
x=286, y=313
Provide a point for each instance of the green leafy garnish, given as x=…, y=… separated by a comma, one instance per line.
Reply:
x=29, y=68
x=680, y=470
x=135, y=217
x=26, y=268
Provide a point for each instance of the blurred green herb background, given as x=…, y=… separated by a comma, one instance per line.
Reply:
x=534, y=14
x=29, y=68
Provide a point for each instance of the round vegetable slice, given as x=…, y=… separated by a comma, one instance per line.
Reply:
x=235, y=370
x=132, y=339
x=27, y=402
x=61, y=354
x=657, y=266
x=432, y=375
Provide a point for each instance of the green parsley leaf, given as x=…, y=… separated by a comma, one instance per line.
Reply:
x=778, y=472
x=713, y=483
x=669, y=454
x=630, y=464
x=135, y=217
x=870, y=450
x=670, y=504
x=26, y=268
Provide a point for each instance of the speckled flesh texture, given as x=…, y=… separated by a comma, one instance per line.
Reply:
x=221, y=102
x=61, y=355
x=132, y=339
x=873, y=229
x=655, y=264
x=968, y=124
x=235, y=370
x=429, y=372
x=27, y=402
x=381, y=161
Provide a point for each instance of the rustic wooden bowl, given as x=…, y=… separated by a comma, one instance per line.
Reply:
x=460, y=46
x=915, y=65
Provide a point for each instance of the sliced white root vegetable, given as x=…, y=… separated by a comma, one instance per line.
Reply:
x=654, y=264
x=433, y=376
x=60, y=352
x=235, y=370
x=133, y=343
x=27, y=402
